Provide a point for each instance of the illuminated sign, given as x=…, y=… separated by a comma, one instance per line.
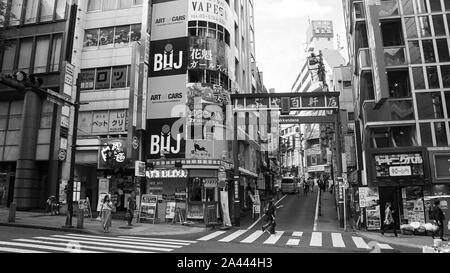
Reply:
x=395, y=165
x=112, y=153
x=167, y=173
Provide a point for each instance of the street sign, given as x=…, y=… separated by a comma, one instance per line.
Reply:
x=68, y=76
x=57, y=98
x=62, y=154
x=305, y=119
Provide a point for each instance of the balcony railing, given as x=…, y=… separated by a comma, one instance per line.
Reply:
x=391, y=110
x=393, y=56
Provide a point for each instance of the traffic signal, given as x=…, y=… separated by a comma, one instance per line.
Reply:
x=29, y=80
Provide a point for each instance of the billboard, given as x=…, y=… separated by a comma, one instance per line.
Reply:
x=322, y=28
x=169, y=19
x=208, y=53
x=167, y=96
x=399, y=165
x=166, y=138
x=112, y=153
x=206, y=149
x=168, y=57
x=214, y=11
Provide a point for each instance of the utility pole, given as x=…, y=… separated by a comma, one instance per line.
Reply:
x=236, y=202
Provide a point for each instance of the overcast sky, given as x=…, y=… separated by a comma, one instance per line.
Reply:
x=280, y=30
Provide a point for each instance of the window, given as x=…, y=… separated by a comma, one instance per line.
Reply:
x=135, y=34
x=425, y=132
x=109, y=4
x=433, y=79
x=106, y=37
x=56, y=53
x=122, y=35
x=94, y=5
x=398, y=84
x=438, y=23
x=31, y=12
x=16, y=12
x=440, y=134
x=447, y=5
x=119, y=77
x=442, y=48
x=125, y=3
x=26, y=46
x=91, y=38
x=76, y=191
x=414, y=52
x=422, y=6
x=428, y=51
x=60, y=9
x=445, y=72
x=408, y=7
x=8, y=57
x=419, y=81
x=435, y=5
x=411, y=27
x=424, y=26
x=392, y=33
x=87, y=79
x=41, y=54
x=47, y=8
x=103, y=79
x=429, y=105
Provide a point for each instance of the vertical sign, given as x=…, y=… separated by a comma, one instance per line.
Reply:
x=376, y=51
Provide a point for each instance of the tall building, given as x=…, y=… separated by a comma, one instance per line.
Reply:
x=401, y=62
x=33, y=131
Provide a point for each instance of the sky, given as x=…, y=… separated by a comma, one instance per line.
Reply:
x=280, y=36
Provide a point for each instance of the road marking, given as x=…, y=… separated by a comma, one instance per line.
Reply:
x=211, y=236
x=44, y=247
x=233, y=236
x=253, y=237
x=254, y=224
x=293, y=242
x=359, y=242
x=83, y=247
x=129, y=240
x=297, y=233
x=337, y=240
x=317, y=211
x=274, y=237
x=19, y=250
x=159, y=239
x=384, y=246
x=316, y=239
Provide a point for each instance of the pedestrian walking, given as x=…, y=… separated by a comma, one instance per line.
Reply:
x=270, y=218
x=106, y=210
x=131, y=207
x=438, y=217
x=389, y=220
x=305, y=187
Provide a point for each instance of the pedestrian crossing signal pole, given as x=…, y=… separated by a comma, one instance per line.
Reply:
x=236, y=203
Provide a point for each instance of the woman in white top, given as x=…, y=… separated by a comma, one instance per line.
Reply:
x=107, y=207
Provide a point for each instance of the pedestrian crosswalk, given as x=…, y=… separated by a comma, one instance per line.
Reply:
x=81, y=243
x=295, y=239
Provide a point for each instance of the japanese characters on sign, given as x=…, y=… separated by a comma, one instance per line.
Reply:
x=310, y=101
x=208, y=53
x=394, y=165
x=112, y=153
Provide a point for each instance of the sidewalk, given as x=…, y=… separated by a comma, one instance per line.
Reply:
x=412, y=241
x=328, y=220
x=39, y=220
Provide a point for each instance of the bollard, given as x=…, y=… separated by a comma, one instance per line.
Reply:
x=12, y=212
x=80, y=219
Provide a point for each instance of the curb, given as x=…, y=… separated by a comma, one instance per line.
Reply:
x=392, y=242
x=76, y=230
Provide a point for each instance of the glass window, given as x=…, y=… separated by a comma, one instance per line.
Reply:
x=435, y=5
x=56, y=53
x=26, y=46
x=109, y=4
x=419, y=81
x=445, y=72
x=447, y=5
x=125, y=3
x=429, y=105
x=47, y=8
x=414, y=52
x=137, y=2
x=103, y=79
x=31, y=12
x=442, y=48
x=438, y=23
x=94, y=5
x=408, y=7
x=440, y=134
x=424, y=26
x=119, y=77
x=122, y=36
x=447, y=101
x=428, y=51
x=8, y=57
x=422, y=6
x=425, y=132
x=106, y=37
x=135, y=34
x=41, y=54
x=87, y=79
x=91, y=38
x=432, y=75
x=16, y=12
x=411, y=27
x=61, y=9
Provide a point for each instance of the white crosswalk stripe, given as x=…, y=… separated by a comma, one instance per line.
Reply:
x=80, y=243
x=296, y=238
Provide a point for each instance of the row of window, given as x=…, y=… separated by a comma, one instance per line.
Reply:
x=103, y=122
x=40, y=54
x=112, y=36
x=34, y=11
x=422, y=26
x=105, y=78
x=430, y=55
x=424, y=6
x=11, y=116
x=209, y=77
x=208, y=29
x=432, y=75
x=103, y=5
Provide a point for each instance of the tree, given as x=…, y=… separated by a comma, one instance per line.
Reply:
x=4, y=7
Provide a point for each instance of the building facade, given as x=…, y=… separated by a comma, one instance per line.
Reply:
x=400, y=58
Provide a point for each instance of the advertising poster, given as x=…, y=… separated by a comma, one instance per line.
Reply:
x=62, y=193
x=169, y=19
x=170, y=210
x=168, y=57
x=167, y=97
x=225, y=210
x=148, y=206
x=373, y=216
x=363, y=191
x=208, y=53
x=166, y=138
x=214, y=11
x=413, y=205
x=112, y=153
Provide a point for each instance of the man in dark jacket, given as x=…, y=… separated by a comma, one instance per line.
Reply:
x=439, y=218
x=131, y=207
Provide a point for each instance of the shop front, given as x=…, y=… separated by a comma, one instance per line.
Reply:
x=398, y=176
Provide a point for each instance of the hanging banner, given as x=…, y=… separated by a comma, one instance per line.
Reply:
x=225, y=210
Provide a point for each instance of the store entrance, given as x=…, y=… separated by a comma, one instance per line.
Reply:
x=393, y=195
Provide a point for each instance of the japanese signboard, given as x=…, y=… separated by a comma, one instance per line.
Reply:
x=214, y=11
x=208, y=53
x=399, y=165
x=321, y=28
x=112, y=153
